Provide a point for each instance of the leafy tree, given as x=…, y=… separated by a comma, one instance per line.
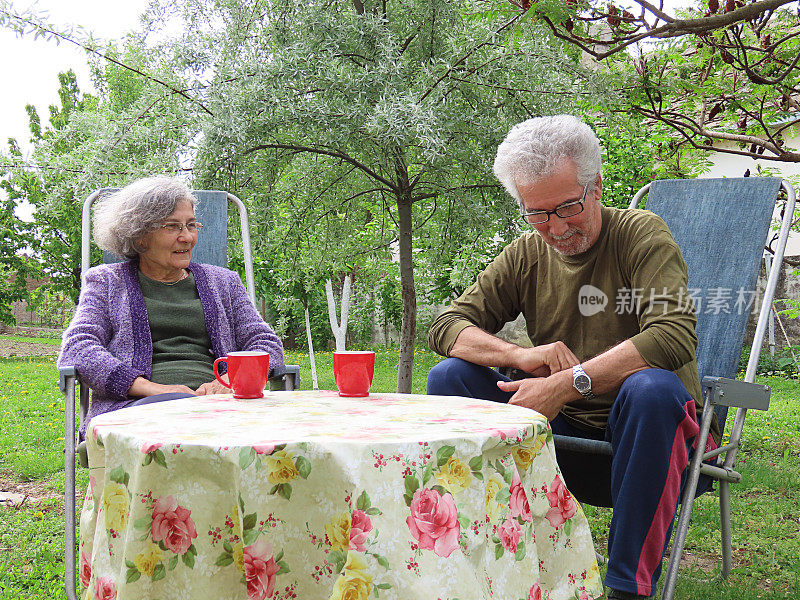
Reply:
x=365, y=121
x=397, y=106
x=55, y=232
x=16, y=239
x=723, y=76
x=89, y=143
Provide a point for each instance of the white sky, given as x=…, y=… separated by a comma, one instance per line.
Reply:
x=30, y=67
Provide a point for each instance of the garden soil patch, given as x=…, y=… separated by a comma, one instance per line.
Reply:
x=12, y=348
x=16, y=494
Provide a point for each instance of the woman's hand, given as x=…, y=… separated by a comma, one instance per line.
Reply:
x=142, y=387
x=213, y=387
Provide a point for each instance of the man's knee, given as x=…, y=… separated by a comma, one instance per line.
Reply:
x=652, y=389
x=446, y=378
x=457, y=377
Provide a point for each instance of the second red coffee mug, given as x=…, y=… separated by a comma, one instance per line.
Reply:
x=353, y=372
x=248, y=373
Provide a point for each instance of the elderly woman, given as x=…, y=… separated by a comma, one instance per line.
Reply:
x=148, y=329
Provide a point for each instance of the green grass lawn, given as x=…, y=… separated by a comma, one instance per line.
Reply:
x=766, y=505
x=35, y=340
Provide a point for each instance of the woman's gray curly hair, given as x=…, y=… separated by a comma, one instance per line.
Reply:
x=534, y=149
x=124, y=217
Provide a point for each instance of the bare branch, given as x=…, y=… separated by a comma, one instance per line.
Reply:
x=328, y=152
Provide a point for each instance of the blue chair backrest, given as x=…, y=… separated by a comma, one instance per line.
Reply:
x=721, y=227
x=212, y=244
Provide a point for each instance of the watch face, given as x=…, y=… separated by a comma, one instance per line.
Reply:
x=582, y=383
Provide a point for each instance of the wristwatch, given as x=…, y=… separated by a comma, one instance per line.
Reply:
x=582, y=382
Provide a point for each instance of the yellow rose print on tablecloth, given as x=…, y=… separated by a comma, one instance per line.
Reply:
x=115, y=505
x=493, y=508
x=281, y=467
x=146, y=561
x=593, y=577
x=454, y=475
x=525, y=452
x=338, y=531
x=238, y=557
x=237, y=521
x=354, y=583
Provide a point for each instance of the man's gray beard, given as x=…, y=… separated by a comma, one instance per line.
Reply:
x=582, y=238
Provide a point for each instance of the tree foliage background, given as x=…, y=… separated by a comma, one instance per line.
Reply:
x=361, y=134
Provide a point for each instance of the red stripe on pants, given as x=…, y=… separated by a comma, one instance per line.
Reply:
x=654, y=542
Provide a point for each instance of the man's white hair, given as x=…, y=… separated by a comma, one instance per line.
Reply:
x=535, y=148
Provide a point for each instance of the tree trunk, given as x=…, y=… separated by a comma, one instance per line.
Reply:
x=409, y=296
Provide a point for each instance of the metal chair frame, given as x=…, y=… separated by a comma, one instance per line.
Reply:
x=719, y=393
x=285, y=378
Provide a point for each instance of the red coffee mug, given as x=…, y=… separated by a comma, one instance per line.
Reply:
x=248, y=373
x=353, y=372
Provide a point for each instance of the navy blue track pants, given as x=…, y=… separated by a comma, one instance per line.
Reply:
x=652, y=428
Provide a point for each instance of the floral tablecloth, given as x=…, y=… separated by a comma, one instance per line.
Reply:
x=308, y=495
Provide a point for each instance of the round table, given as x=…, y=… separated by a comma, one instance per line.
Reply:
x=308, y=495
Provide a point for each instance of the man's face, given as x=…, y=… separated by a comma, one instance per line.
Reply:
x=571, y=235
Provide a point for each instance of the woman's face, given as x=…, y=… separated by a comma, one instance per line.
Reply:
x=166, y=252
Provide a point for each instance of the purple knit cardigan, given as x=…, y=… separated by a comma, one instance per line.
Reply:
x=109, y=343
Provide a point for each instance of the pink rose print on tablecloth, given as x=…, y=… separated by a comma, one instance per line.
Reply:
x=173, y=525
x=104, y=589
x=509, y=534
x=504, y=433
x=434, y=521
x=264, y=448
x=260, y=570
x=85, y=570
x=536, y=591
x=149, y=447
x=519, y=500
x=360, y=526
x=562, y=505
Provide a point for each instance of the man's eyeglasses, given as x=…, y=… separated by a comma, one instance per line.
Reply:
x=176, y=227
x=570, y=209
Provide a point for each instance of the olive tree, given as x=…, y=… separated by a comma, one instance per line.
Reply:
x=400, y=106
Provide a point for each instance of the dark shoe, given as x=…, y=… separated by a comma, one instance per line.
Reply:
x=618, y=595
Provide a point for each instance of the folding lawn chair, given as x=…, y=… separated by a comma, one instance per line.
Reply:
x=211, y=248
x=720, y=226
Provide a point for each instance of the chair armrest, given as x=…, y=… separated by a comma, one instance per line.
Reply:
x=576, y=444
x=285, y=377
x=741, y=394
x=279, y=372
x=64, y=375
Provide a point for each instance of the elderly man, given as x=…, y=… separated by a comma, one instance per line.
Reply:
x=623, y=371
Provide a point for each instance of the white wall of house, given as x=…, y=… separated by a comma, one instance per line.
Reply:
x=731, y=165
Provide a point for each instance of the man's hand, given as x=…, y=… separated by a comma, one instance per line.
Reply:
x=212, y=387
x=546, y=360
x=545, y=395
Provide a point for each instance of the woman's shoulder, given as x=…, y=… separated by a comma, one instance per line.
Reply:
x=108, y=272
x=211, y=269
x=213, y=273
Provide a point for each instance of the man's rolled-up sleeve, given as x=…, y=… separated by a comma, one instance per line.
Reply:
x=489, y=303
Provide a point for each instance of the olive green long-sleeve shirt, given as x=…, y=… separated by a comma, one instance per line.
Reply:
x=631, y=284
